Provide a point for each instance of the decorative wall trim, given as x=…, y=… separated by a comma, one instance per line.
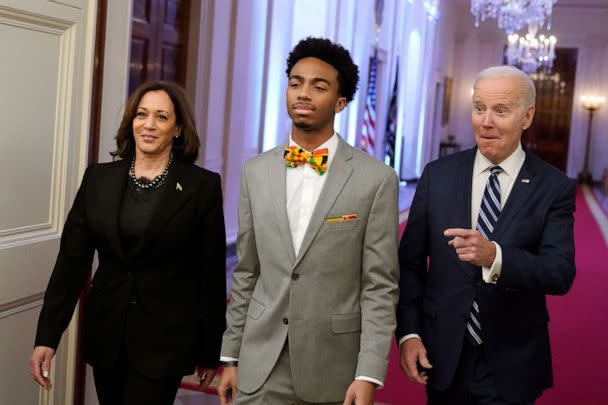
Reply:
x=27, y=235
x=71, y=3
x=21, y=305
x=63, y=114
x=66, y=31
x=32, y=21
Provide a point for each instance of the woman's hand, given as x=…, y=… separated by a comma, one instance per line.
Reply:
x=205, y=376
x=40, y=364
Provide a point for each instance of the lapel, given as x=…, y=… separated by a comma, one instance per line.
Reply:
x=111, y=189
x=462, y=202
x=518, y=196
x=172, y=199
x=278, y=196
x=340, y=170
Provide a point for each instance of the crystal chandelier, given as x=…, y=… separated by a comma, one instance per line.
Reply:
x=432, y=9
x=530, y=53
x=513, y=15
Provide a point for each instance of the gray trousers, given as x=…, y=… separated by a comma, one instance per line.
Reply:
x=278, y=388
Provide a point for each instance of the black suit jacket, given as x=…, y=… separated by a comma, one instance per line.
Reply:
x=178, y=270
x=535, y=232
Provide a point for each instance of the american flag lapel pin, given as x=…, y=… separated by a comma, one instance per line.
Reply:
x=178, y=187
x=527, y=181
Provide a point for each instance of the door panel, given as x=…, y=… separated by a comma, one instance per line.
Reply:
x=548, y=136
x=138, y=73
x=158, y=41
x=28, y=112
x=45, y=77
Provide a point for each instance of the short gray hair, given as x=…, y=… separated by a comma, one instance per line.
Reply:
x=527, y=85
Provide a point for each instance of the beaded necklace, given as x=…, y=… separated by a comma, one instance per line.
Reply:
x=143, y=183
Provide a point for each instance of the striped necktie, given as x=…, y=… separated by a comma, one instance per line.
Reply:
x=488, y=216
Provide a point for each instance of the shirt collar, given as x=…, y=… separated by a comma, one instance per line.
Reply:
x=331, y=144
x=511, y=165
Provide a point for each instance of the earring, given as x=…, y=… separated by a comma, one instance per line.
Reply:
x=176, y=135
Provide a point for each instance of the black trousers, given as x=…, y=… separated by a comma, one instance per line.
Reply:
x=123, y=384
x=473, y=383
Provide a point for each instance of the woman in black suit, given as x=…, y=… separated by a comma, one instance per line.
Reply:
x=156, y=308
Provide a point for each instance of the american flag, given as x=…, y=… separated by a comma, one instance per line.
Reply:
x=391, y=123
x=368, y=129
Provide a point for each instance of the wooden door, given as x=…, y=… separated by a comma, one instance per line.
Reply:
x=549, y=134
x=158, y=41
x=46, y=98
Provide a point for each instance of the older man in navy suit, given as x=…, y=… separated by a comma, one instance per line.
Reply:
x=490, y=234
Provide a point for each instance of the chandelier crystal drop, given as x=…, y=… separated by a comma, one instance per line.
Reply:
x=513, y=15
x=530, y=53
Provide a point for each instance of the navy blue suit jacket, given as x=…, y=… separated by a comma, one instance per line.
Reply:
x=535, y=232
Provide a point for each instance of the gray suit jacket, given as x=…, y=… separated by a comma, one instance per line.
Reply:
x=335, y=301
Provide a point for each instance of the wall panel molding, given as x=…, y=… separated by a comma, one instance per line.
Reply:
x=21, y=305
x=71, y=3
x=33, y=21
x=15, y=237
x=65, y=31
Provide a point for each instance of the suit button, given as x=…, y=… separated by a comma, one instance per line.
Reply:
x=295, y=276
x=285, y=321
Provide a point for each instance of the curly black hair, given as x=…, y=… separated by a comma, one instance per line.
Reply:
x=335, y=55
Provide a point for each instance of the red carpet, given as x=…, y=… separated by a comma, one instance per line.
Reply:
x=578, y=327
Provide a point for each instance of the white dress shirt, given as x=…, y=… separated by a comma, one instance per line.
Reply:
x=303, y=188
x=481, y=172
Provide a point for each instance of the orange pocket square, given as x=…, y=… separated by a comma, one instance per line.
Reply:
x=342, y=218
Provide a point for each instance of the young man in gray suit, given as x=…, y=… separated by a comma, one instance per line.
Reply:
x=314, y=292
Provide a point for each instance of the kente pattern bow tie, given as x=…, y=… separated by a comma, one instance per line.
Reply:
x=295, y=156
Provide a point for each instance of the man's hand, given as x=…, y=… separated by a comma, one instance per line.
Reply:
x=412, y=352
x=227, y=386
x=205, y=376
x=471, y=246
x=40, y=364
x=360, y=392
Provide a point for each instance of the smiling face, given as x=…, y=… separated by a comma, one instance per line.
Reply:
x=154, y=125
x=313, y=96
x=499, y=116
